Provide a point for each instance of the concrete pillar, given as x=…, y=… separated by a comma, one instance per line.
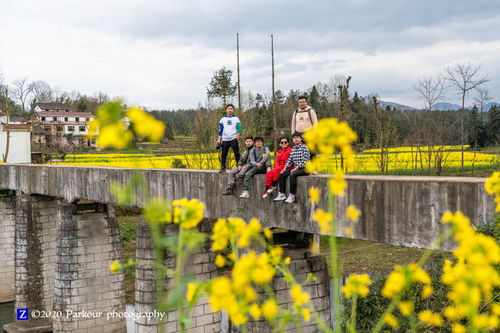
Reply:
x=34, y=258
x=7, y=248
x=144, y=279
x=301, y=265
x=88, y=241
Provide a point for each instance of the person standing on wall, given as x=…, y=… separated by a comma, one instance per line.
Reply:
x=304, y=117
x=229, y=133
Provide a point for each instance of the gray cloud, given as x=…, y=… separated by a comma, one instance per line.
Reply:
x=155, y=51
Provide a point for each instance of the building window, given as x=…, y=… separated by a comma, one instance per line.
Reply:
x=71, y=128
x=77, y=119
x=66, y=119
x=43, y=118
x=82, y=128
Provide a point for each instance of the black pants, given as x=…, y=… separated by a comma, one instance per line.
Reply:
x=225, y=149
x=293, y=180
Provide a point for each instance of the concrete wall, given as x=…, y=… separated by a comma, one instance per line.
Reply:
x=19, y=147
x=7, y=231
x=396, y=210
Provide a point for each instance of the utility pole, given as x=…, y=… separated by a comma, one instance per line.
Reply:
x=238, y=68
x=273, y=102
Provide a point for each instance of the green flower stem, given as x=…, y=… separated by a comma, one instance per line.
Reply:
x=159, y=272
x=333, y=263
x=397, y=298
x=413, y=322
x=178, y=277
x=352, y=324
x=390, y=308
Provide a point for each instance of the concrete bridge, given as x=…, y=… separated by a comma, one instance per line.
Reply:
x=55, y=250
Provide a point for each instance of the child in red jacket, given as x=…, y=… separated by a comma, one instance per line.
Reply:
x=279, y=163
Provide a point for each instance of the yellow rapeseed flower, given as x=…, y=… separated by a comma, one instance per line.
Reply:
x=458, y=328
x=220, y=261
x=353, y=213
x=357, y=284
x=337, y=184
x=270, y=309
x=255, y=311
x=191, y=291
x=299, y=297
x=349, y=232
x=405, y=308
x=188, y=213
x=114, y=135
x=430, y=318
x=323, y=218
x=315, y=248
x=268, y=234
x=492, y=187
x=391, y=320
x=306, y=314
x=115, y=266
x=314, y=194
x=145, y=124
x=427, y=291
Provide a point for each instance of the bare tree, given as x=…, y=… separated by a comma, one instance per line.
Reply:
x=22, y=90
x=482, y=98
x=42, y=92
x=431, y=89
x=465, y=77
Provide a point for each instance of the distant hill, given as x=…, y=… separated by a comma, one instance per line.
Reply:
x=443, y=106
x=488, y=106
x=401, y=107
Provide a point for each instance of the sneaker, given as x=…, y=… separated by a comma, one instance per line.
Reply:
x=229, y=191
x=265, y=195
x=270, y=190
x=290, y=199
x=280, y=197
x=222, y=171
x=245, y=195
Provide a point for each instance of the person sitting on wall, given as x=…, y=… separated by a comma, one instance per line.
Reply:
x=243, y=166
x=298, y=157
x=279, y=163
x=259, y=158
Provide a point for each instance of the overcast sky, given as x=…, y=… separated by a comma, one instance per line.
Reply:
x=162, y=54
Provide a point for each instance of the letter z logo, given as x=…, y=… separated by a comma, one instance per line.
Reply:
x=22, y=314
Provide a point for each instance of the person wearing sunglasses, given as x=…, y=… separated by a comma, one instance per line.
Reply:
x=279, y=163
x=294, y=167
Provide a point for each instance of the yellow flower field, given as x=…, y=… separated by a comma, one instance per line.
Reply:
x=398, y=160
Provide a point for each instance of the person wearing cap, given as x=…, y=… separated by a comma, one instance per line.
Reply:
x=298, y=158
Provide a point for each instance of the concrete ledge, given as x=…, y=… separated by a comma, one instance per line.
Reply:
x=397, y=210
x=14, y=328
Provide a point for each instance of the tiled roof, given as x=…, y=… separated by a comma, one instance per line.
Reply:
x=55, y=106
x=64, y=114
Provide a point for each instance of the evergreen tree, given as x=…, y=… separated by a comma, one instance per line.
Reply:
x=493, y=126
x=314, y=98
x=221, y=86
x=477, y=136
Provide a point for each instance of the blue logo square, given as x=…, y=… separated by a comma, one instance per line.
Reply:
x=22, y=314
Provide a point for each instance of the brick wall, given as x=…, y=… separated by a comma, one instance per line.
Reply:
x=87, y=243
x=7, y=231
x=201, y=264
